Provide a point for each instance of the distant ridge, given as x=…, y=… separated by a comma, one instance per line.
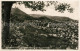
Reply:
x=60, y=18
x=40, y=15
x=20, y=15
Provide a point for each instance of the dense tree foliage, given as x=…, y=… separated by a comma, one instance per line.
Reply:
x=39, y=5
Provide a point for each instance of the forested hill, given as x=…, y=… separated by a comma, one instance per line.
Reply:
x=62, y=33
x=58, y=18
x=23, y=16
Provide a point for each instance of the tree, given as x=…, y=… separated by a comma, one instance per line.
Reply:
x=34, y=5
x=6, y=9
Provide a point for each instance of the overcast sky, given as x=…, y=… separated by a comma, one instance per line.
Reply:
x=51, y=11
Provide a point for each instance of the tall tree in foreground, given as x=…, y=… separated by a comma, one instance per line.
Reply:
x=34, y=5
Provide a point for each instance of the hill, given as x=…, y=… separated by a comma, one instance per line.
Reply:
x=59, y=35
x=48, y=16
x=54, y=18
x=21, y=16
x=18, y=15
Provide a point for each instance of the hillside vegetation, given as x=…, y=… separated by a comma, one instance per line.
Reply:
x=43, y=32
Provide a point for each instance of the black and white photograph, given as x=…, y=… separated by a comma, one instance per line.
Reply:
x=40, y=25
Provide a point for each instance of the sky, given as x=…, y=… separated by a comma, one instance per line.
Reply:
x=51, y=11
